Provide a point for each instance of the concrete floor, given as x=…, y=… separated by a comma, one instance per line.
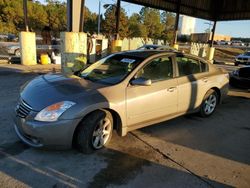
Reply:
x=187, y=151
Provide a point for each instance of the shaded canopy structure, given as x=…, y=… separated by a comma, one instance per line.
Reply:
x=214, y=10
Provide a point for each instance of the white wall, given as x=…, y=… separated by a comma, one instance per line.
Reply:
x=186, y=25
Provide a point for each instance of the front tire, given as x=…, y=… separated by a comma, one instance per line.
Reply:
x=95, y=131
x=209, y=103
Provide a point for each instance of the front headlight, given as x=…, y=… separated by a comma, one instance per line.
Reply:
x=53, y=112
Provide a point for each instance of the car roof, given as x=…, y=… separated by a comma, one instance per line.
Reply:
x=144, y=54
x=151, y=45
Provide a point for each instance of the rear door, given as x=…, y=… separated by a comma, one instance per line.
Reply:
x=145, y=103
x=193, y=82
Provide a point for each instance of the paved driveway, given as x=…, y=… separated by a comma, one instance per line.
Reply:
x=184, y=152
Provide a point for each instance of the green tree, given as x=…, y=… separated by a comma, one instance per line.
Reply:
x=90, y=21
x=11, y=16
x=109, y=23
x=37, y=16
x=57, y=20
x=136, y=28
x=151, y=19
x=168, y=21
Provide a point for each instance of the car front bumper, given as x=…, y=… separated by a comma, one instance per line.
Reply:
x=38, y=134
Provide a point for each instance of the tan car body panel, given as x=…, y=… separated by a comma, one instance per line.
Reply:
x=140, y=106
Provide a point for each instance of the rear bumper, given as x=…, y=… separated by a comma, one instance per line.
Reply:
x=58, y=135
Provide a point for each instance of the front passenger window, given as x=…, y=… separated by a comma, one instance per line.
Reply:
x=157, y=70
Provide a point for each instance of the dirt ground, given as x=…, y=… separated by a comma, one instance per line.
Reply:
x=188, y=151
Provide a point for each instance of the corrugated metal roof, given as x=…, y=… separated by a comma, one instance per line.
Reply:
x=220, y=10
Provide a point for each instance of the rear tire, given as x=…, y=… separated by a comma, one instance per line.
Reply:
x=209, y=103
x=94, y=132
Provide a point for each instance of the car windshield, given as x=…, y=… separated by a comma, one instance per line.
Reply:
x=112, y=69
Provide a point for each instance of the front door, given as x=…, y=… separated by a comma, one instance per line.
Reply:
x=145, y=103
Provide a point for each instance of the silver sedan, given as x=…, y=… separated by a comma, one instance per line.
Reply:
x=122, y=92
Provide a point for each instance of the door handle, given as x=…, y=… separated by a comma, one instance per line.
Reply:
x=205, y=79
x=171, y=89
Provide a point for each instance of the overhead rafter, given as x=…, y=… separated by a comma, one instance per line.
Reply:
x=219, y=10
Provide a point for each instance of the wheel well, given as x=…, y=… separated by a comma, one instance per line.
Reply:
x=217, y=90
x=116, y=120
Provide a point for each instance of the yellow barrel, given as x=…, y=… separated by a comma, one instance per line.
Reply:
x=116, y=46
x=176, y=46
x=44, y=58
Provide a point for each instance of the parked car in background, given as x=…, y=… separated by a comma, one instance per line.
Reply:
x=240, y=78
x=14, y=49
x=123, y=91
x=237, y=43
x=242, y=59
x=3, y=37
x=12, y=38
x=223, y=42
x=155, y=47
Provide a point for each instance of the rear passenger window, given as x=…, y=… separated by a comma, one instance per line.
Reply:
x=188, y=66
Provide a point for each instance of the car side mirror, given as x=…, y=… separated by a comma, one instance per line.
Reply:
x=141, y=82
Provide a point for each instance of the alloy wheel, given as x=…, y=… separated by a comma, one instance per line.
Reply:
x=101, y=133
x=210, y=104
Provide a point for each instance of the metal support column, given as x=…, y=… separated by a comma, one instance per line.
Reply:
x=212, y=49
x=213, y=32
x=118, y=12
x=176, y=22
x=99, y=18
x=176, y=27
x=81, y=24
x=69, y=15
x=25, y=12
x=75, y=15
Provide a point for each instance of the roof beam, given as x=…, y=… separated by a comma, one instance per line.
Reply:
x=219, y=10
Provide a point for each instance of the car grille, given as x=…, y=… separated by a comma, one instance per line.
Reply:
x=23, y=109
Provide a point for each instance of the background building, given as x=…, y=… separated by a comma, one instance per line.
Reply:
x=205, y=37
x=186, y=25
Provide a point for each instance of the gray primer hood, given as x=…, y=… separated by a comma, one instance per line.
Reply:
x=48, y=89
